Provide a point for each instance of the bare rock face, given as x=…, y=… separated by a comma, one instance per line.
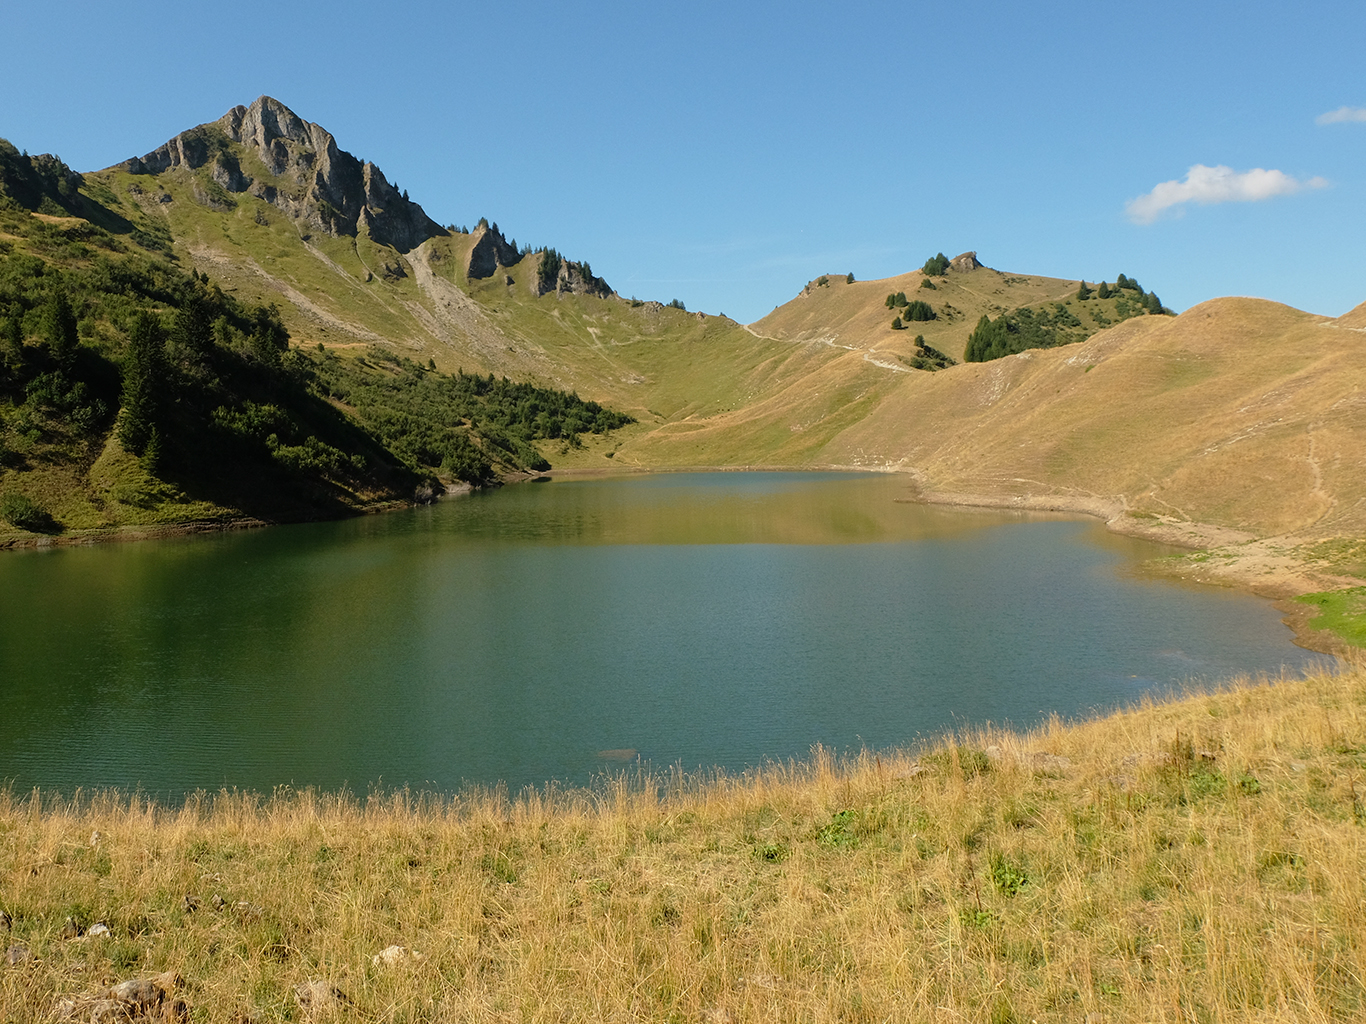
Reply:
x=578, y=279
x=311, y=179
x=964, y=262
x=489, y=252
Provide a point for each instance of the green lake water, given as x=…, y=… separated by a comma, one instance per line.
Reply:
x=557, y=630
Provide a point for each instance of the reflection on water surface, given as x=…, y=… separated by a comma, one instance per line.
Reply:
x=559, y=629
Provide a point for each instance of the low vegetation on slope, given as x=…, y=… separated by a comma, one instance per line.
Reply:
x=945, y=298
x=1048, y=326
x=134, y=393
x=1187, y=861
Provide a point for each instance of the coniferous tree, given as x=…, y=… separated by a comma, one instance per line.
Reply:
x=59, y=328
x=268, y=337
x=11, y=343
x=850, y=278
x=1103, y=292
x=549, y=270
x=193, y=325
x=936, y=266
x=1083, y=292
x=143, y=375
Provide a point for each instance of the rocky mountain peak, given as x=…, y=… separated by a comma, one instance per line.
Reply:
x=964, y=262
x=296, y=166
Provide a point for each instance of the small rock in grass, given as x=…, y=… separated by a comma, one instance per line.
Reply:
x=218, y=901
x=17, y=954
x=1044, y=761
x=135, y=1000
x=102, y=1011
x=6, y=922
x=313, y=996
x=189, y=904
x=95, y=837
x=138, y=991
x=394, y=955
x=71, y=930
x=99, y=930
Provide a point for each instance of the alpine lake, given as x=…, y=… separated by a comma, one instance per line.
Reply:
x=555, y=631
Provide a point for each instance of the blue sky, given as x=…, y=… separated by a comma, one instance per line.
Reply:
x=726, y=153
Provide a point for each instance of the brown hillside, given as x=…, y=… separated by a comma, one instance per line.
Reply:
x=1239, y=419
x=1353, y=319
x=1241, y=413
x=856, y=316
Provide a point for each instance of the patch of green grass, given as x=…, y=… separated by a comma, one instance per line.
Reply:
x=1342, y=554
x=1341, y=612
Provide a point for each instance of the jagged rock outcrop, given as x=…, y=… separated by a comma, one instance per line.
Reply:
x=964, y=262
x=489, y=252
x=306, y=175
x=578, y=279
x=556, y=274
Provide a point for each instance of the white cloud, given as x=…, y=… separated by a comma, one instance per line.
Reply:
x=1206, y=185
x=1341, y=115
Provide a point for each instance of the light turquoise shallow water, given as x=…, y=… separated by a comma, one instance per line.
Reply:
x=699, y=619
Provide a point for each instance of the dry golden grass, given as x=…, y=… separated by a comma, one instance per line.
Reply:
x=1198, y=860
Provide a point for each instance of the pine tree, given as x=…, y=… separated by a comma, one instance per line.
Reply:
x=193, y=325
x=850, y=278
x=268, y=337
x=897, y=325
x=1083, y=292
x=143, y=374
x=1103, y=292
x=59, y=328
x=11, y=342
x=936, y=266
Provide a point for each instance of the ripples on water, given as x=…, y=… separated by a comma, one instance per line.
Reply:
x=554, y=630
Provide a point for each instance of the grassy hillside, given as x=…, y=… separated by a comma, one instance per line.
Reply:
x=1237, y=426
x=834, y=311
x=136, y=394
x=1194, y=860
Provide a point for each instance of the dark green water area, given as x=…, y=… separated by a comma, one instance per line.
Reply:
x=559, y=630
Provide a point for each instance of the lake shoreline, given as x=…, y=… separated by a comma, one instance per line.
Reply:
x=1249, y=564
x=1051, y=857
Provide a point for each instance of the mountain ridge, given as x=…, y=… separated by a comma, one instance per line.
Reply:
x=306, y=174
